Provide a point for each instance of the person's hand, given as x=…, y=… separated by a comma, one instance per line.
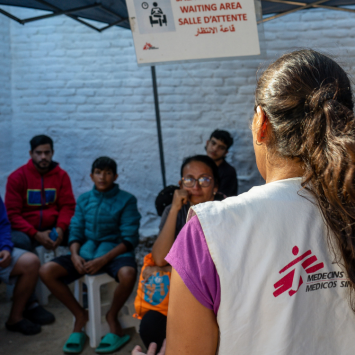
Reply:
x=149, y=271
x=181, y=197
x=43, y=239
x=79, y=263
x=5, y=257
x=151, y=350
x=93, y=266
x=60, y=237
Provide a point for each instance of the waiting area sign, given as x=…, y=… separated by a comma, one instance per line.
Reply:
x=189, y=30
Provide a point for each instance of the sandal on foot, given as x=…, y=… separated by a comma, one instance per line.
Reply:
x=111, y=342
x=24, y=326
x=75, y=343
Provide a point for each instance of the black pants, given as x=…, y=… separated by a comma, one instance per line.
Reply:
x=153, y=328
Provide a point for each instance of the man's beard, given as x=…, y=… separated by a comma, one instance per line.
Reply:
x=42, y=167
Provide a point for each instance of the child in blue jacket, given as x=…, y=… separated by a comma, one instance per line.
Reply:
x=102, y=236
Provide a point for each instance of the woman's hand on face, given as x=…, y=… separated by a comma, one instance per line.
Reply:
x=181, y=197
x=151, y=350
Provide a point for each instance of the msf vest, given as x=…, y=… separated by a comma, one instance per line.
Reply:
x=281, y=292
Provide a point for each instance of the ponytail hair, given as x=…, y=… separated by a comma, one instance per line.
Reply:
x=307, y=99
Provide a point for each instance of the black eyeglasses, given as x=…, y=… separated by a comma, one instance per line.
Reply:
x=204, y=181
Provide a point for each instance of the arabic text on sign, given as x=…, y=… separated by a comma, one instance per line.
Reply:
x=206, y=30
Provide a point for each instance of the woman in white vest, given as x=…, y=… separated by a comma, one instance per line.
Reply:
x=272, y=271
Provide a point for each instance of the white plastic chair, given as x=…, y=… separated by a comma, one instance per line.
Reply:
x=100, y=290
x=96, y=327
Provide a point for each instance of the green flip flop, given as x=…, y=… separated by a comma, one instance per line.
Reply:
x=111, y=342
x=75, y=343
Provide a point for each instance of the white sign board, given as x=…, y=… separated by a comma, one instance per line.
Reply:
x=188, y=30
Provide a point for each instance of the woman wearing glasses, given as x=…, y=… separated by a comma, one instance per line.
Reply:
x=199, y=183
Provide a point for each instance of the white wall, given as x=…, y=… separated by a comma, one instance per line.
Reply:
x=85, y=90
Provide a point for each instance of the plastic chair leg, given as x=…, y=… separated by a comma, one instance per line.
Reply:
x=94, y=303
x=42, y=291
x=78, y=291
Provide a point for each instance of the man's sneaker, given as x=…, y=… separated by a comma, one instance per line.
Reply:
x=39, y=315
x=24, y=326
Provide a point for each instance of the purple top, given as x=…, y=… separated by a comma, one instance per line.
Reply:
x=190, y=257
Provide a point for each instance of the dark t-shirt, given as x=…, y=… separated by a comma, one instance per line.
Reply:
x=228, y=179
x=180, y=220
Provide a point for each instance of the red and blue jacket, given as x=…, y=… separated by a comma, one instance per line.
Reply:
x=36, y=202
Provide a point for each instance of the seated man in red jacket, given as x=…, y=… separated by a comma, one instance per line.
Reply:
x=39, y=198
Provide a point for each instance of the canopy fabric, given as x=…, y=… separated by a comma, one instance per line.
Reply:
x=114, y=12
x=111, y=12
x=280, y=6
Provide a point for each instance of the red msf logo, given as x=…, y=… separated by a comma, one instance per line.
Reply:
x=286, y=282
x=148, y=46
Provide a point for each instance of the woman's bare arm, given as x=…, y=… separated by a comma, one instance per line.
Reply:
x=166, y=236
x=165, y=239
x=192, y=328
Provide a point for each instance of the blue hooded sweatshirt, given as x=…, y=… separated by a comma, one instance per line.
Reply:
x=5, y=229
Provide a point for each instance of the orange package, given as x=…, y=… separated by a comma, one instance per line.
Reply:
x=153, y=294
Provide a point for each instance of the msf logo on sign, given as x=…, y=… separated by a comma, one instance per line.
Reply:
x=148, y=46
x=308, y=264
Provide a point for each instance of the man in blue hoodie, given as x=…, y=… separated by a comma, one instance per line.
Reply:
x=21, y=268
x=102, y=236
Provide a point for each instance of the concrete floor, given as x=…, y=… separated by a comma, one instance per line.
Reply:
x=52, y=338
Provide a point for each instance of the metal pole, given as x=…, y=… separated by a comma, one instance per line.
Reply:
x=157, y=114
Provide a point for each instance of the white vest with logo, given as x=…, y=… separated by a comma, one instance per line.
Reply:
x=281, y=293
